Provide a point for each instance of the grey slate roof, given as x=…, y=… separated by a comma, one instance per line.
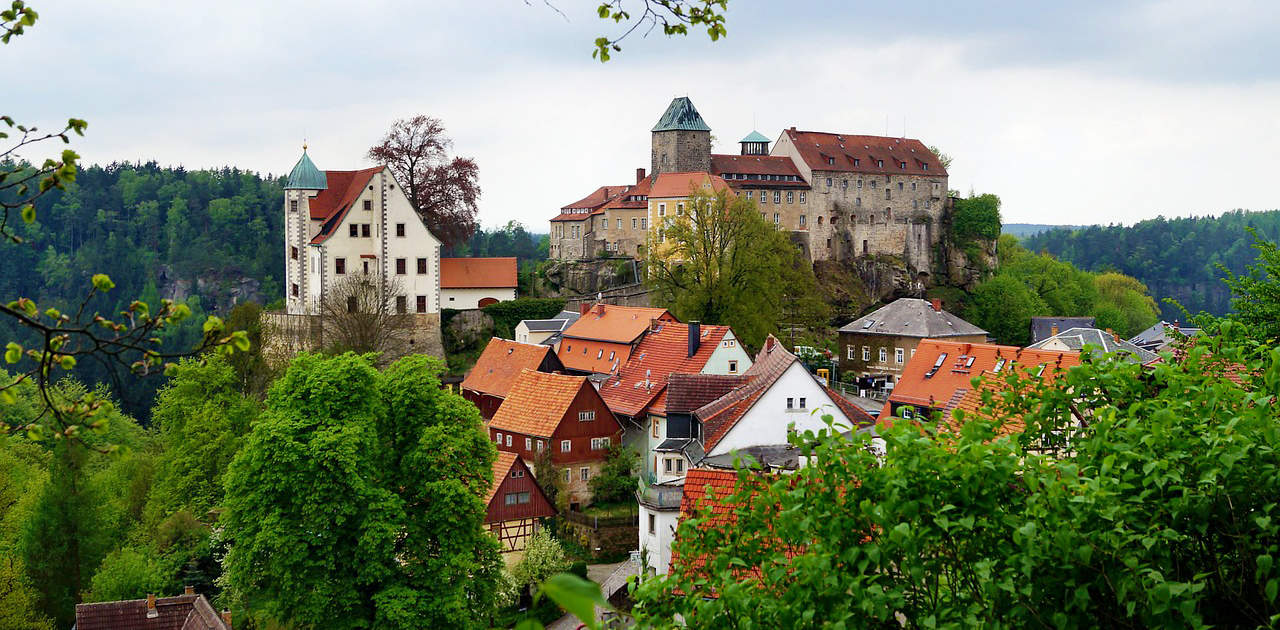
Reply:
x=912, y=317
x=1042, y=327
x=1078, y=338
x=562, y=320
x=1159, y=335
x=681, y=115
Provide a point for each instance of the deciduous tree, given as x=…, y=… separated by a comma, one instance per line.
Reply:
x=362, y=313
x=443, y=188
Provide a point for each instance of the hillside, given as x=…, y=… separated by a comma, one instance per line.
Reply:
x=1175, y=258
x=1023, y=230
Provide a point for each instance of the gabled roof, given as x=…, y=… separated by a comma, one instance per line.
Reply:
x=640, y=384
x=681, y=115
x=721, y=415
x=618, y=324
x=597, y=198
x=623, y=201
x=332, y=204
x=477, y=273
x=1077, y=338
x=183, y=612
x=1160, y=335
x=683, y=184
x=765, y=165
x=537, y=402
x=555, y=324
x=1042, y=327
x=502, y=465
x=500, y=365
x=820, y=149
x=940, y=373
x=688, y=392
x=912, y=317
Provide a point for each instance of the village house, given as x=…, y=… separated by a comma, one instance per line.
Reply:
x=500, y=364
x=561, y=415
x=603, y=338
x=876, y=347
x=545, y=331
x=1103, y=342
x=941, y=373
x=839, y=196
x=1162, y=336
x=189, y=611
x=715, y=420
x=1044, y=327
x=476, y=282
x=516, y=505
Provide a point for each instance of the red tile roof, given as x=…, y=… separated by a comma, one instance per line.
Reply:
x=619, y=324
x=537, y=402
x=669, y=185
x=641, y=189
x=598, y=198
x=587, y=355
x=727, y=165
x=476, y=273
x=332, y=204
x=687, y=392
x=576, y=216
x=709, y=490
x=183, y=612
x=818, y=148
x=640, y=384
x=722, y=414
x=943, y=388
x=500, y=365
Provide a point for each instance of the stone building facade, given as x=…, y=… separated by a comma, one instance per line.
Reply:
x=839, y=196
x=876, y=347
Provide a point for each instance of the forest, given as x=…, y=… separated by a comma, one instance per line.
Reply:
x=1175, y=258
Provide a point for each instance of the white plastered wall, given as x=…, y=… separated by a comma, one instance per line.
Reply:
x=767, y=421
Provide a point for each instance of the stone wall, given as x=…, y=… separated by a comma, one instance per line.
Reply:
x=601, y=537
x=285, y=335
x=680, y=151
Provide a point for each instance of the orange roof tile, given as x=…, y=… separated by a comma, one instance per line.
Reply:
x=668, y=185
x=537, y=402
x=501, y=363
x=933, y=380
x=775, y=165
x=601, y=357
x=597, y=198
x=863, y=154
x=634, y=198
x=640, y=385
x=477, y=273
x=619, y=324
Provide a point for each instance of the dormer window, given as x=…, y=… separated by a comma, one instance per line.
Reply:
x=857, y=162
x=924, y=166
x=879, y=163
x=831, y=161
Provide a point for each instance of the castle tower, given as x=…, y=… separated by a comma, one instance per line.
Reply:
x=681, y=140
x=305, y=181
x=755, y=144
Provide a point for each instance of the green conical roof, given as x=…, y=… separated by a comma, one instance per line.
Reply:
x=305, y=175
x=681, y=115
x=755, y=136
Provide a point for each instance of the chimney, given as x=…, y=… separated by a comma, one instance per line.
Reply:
x=695, y=337
x=769, y=342
x=937, y=304
x=152, y=613
x=793, y=128
x=653, y=324
x=1053, y=330
x=584, y=308
x=1116, y=337
x=639, y=175
x=188, y=590
x=226, y=618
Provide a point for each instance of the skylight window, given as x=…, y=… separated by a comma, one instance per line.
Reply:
x=999, y=365
x=869, y=323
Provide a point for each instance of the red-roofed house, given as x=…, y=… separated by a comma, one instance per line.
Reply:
x=476, y=282
x=602, y=339
x=515, y=504
x=579, y=231
x=189, y=611
x=499, y=365
x=940, y=373
x=563, y=414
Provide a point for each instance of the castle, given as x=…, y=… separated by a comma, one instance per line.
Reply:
x=839, y=196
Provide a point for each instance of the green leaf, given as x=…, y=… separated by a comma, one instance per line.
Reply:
x=577, y=596
x=29, y=213
x=213, y=324
x=67, y=362
x=7, y=397
x=12, y=353
x=102, y=282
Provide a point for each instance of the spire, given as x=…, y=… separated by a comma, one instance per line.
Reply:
x=681, y=115
x=305, y=175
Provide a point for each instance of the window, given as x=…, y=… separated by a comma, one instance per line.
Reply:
x=400, y=265
x=655, y=427
x=864, y=247
x=497, y=437
x=729, y=343
x=399, y=229
x=679, y=465
x=600, y=353
x=611, y=354
x=364, y=230
x=293, y=288
x=733, y=367
x=879, y=163
x=604, y=223
x=791, y=403
x=633, y=222
x=884, y=355
x=365, y=262
x=402, y=304
x=749, y=193
x=828, y=182
x=566, y=475
x=600, y=444
x=539, y=444
x=828, y=243
x=679, y=209
x=873, y=183
x=368, y=204
x=644, y=223
x=859, y=184
x=900, y=185
x=565, y=446
x=587, y=416
x=857, y=202
x=831, y=161
x=584, y=472
x=293, y=253
x=802, y=402
x=848, y=351
x=668, y=464
x=776, y=219
x=802, y=197
x=421, y=304
x=353, y=230
x=653, y=524
x=340, y=265
x=508, y=439
x=866, y=353
x=528, y=444
x=898, y=355
x=293, y=205
x=777, y=196
x=422, y=266
x=844, y=184
x=802, y=220
x=662, y=209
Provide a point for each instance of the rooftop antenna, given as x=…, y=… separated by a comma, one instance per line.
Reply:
x=886, y=124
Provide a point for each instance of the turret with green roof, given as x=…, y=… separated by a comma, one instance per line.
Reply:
x=755, y=144
x=305, y=175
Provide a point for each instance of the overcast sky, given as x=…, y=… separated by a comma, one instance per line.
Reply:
x=1080, y=112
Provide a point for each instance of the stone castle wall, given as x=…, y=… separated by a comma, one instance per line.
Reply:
x=286, y=335
x=680, y=151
